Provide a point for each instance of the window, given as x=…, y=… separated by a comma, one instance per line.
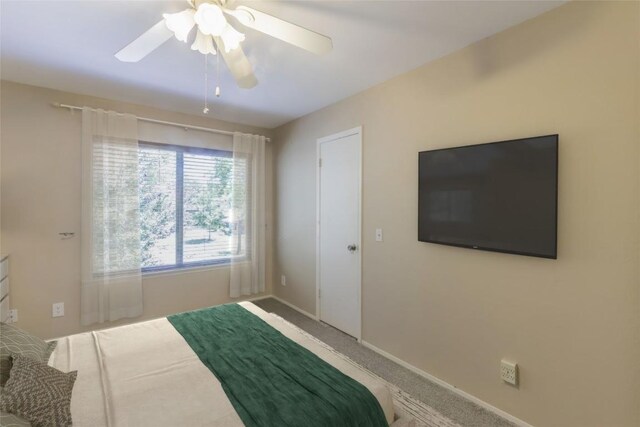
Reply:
x=185, y=203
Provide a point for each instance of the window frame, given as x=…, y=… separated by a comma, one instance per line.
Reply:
x=180, y=150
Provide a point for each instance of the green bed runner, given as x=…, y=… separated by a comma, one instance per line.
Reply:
x=271, y=380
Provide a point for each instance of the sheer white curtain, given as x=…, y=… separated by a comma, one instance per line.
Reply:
x=248, y=210
x=111, y=252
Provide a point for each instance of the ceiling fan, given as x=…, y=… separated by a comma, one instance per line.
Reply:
x=214, y=33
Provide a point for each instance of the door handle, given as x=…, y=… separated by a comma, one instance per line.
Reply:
x=352, y=248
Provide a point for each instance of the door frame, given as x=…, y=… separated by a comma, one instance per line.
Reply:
x=340, y=135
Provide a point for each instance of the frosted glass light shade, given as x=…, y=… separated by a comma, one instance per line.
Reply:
x=231, y=38
x=203, y=44
x=180, y=23
x=210, y=19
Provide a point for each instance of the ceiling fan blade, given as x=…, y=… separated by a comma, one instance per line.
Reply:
x=238, y=64
x=145, y=44
x=283, y=30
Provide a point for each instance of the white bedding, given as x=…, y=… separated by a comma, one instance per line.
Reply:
x=146, y=374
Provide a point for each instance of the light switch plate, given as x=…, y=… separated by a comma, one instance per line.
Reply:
x=57, y=309
x=283, y=280
x=378, y=234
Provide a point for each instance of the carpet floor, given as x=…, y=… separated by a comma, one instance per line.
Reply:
x=447, y=403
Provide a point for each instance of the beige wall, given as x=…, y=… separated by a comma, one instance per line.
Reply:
x=573, y=324
x=40, y=184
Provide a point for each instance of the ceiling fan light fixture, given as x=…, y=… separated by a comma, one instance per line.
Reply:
x=180, y=23
x=203, y=44
x=210, y=19
x=215, y=33
x=231, y=38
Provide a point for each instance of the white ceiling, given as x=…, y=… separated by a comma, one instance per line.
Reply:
x=69, y=45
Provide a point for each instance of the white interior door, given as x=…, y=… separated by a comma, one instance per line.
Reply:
x=339, y=260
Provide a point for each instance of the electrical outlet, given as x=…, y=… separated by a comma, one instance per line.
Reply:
x=57, y=309
x=283, y=280
x=378, y=234
x=509, y=372
x=13, y=316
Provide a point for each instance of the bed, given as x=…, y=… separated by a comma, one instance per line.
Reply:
x=147, y=374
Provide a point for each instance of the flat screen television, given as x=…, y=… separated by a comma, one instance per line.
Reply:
x=500, y=196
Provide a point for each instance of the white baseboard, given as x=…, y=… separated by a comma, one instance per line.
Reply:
x=288, y=304
x=472, y=398
x=261, y=297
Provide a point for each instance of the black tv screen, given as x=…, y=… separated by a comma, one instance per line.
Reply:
x=500, y=196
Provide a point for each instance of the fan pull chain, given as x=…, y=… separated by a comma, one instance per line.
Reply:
x=205, y=110
x=218, y=73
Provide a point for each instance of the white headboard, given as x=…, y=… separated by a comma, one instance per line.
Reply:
x=4, y=289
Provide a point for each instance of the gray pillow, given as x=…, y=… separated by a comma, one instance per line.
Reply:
x=38, y=393
x=14, y=340
x=11, y=420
